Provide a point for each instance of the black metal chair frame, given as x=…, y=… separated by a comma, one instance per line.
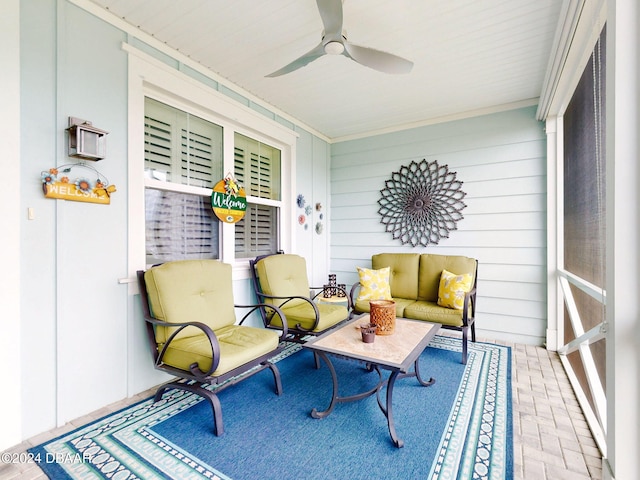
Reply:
x=298, y=333
x=195, y=379
x=468, y=322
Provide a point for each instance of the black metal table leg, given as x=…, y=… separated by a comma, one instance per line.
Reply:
x=386, y=407
x=335, y=397
x=431, y=380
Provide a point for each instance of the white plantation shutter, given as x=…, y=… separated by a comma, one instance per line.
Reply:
x=257, y=232
x=179, y=226
x=180, y=147
x=157, y=146
x=186, y=150
x=198, y=151
x=257, y=168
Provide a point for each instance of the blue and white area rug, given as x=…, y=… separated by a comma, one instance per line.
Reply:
x=460, y=427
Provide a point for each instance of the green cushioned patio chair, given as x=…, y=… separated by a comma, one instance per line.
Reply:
x=192, y=330
x=280, y=280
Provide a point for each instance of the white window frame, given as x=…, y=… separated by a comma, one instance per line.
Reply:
x=151, y=78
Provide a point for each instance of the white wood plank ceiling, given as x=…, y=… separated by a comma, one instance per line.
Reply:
x=469, y=55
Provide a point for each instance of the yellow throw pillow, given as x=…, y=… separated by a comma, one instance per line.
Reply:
x=374, y=284
x=452, y=289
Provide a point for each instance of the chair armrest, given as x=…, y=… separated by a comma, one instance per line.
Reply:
x=469, y=298
x=253, y=308
x=352, y=293
x=211, y=336
x=287, y=300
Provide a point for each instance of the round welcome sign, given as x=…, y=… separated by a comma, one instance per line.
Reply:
x=229, y=200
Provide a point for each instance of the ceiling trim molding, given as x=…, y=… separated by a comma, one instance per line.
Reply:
x=579, y=27
x=446, y=118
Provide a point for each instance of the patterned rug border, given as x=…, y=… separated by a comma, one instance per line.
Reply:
x=481, y=418
x=477, y=442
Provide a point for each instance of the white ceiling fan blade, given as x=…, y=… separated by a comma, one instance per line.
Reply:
x=334, y=42
x=331, y=13
x=305, y=59
x=381, y=61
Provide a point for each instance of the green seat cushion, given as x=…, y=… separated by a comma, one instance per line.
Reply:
x=401, y=305
x=403, y=272
x=304, y=315
x=283, y=275
x=191, y=291
x=432, y=312
x=238, y=345
x=431, y=267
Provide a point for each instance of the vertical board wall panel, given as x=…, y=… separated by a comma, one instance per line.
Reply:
x=38, y=242
x=92, y=239
x=320, y=242
x=501, y=158
x=312, y=168
x=304, y=186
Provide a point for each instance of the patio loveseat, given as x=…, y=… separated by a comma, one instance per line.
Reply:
x=429, y=287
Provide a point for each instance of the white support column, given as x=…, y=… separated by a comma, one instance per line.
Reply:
x=623, y=239
x=554, y=306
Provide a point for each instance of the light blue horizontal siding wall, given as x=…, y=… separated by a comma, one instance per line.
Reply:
x=501, y=158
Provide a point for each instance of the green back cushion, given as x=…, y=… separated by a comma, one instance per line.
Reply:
x=191, y=291
x=283, y=275
x=431, y=267
x=403, y=274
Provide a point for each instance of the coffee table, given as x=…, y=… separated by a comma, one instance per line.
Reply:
x=397, y=353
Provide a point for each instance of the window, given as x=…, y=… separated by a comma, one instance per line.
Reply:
x=182, y=141
x=181, y=148
x=257, y=167
x=179, y=226
x=183, y=160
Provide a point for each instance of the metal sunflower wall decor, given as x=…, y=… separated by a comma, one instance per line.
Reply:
x=421, y=203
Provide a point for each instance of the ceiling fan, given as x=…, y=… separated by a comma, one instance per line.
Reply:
x=334, y=42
